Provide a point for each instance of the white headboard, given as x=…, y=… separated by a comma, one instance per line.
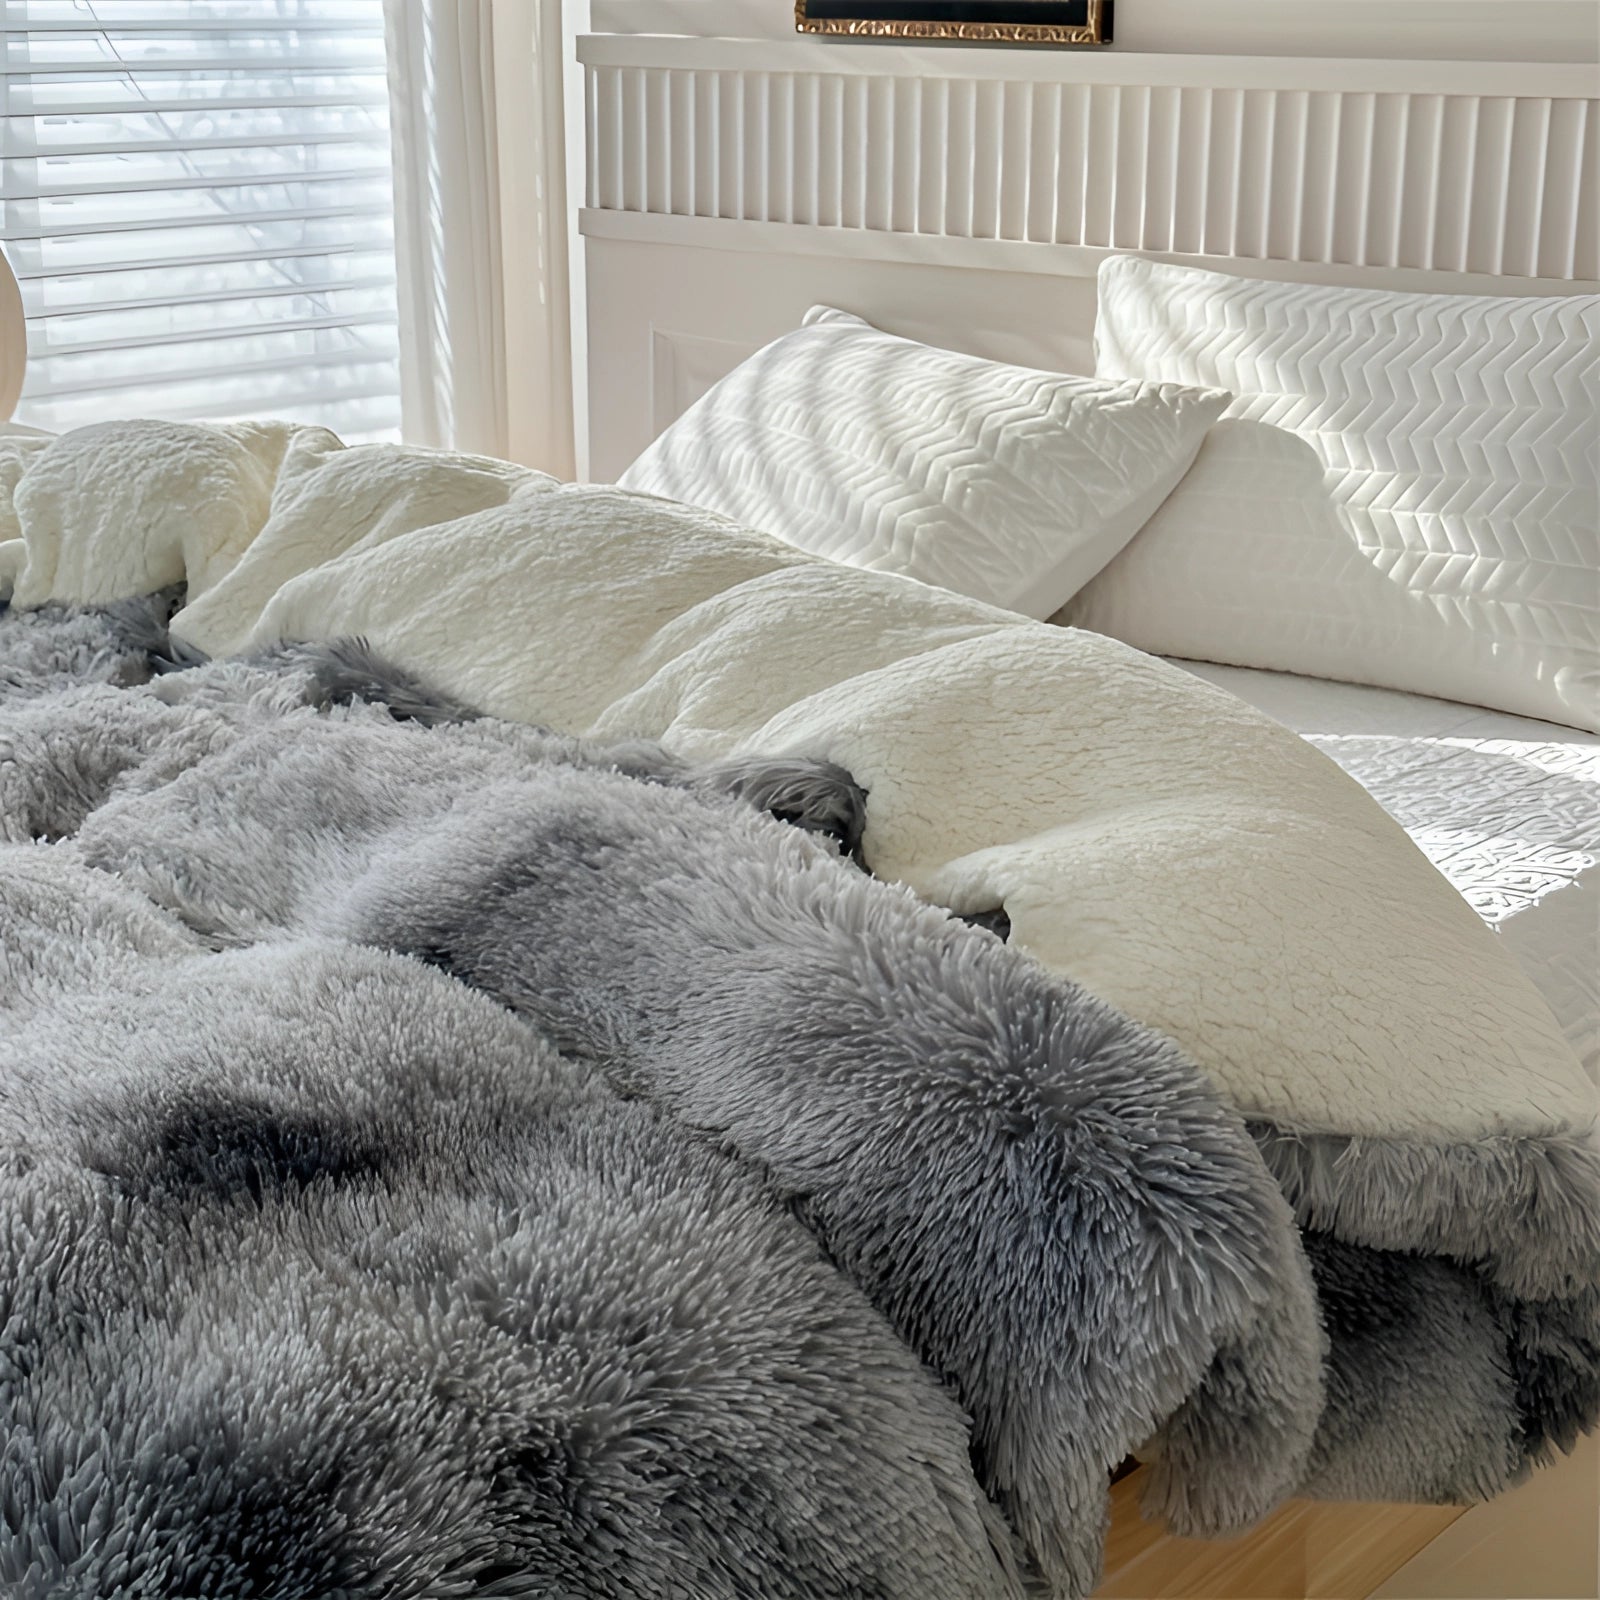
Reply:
x=967, y=196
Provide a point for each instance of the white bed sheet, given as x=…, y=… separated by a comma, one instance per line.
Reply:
x=1508, y=809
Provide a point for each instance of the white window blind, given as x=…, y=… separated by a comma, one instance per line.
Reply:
x=197, y=201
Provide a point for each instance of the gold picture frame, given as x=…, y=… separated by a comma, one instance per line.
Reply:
x=966, y=21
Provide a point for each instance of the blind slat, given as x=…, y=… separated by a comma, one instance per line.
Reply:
x=10, y=191
x=358, y=411
x=214, y=297
x=143, y=224
x=240, y=258
x=62, y=99
x=108, y=23
x=68, y=149
x=158, y=69
x=163, y=340
x=197, y=201
x=342, y=361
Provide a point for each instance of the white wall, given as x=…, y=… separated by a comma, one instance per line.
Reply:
x=1466, y=30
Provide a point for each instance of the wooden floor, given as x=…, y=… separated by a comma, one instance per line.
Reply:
x=1305, y=1549
x=1537, y=1543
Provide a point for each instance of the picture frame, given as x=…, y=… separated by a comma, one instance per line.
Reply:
x=1058, y=22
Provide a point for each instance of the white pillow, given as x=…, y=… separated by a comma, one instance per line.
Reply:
x=1404, y=492
x=1003, y=483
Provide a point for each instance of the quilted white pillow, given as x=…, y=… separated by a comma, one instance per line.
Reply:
x=1003, y=483
x=1404, y=492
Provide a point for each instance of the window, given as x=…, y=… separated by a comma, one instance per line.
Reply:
x=197, y=201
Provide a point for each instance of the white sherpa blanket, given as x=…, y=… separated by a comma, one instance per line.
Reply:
x=1150, y=836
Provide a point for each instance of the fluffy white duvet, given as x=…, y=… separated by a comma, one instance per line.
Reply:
x=1152, y=836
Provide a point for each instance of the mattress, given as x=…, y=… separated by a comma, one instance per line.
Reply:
x=1508, y=809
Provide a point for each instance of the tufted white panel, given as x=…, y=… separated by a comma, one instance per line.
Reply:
x=1404, y=493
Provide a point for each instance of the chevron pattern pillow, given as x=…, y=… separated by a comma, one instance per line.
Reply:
x=1003, y=483
x=1403, y=493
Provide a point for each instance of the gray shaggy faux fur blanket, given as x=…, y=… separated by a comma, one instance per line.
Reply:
x=437, y=1158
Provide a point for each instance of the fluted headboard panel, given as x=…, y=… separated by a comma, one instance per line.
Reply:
x=878, y=168
x=1455, y=167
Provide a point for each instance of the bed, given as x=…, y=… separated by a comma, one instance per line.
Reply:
x=734, y=183
x=409, y=884
x=1448, y=176
x=596, y=1044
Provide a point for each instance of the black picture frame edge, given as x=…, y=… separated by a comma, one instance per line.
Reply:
x=1096, y=29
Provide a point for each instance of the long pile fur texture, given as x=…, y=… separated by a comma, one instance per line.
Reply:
x=325, y=1277
x=695, y=1213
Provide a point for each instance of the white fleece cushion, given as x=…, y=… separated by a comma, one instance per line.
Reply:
x=1404, y=492
x=1006, y=484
